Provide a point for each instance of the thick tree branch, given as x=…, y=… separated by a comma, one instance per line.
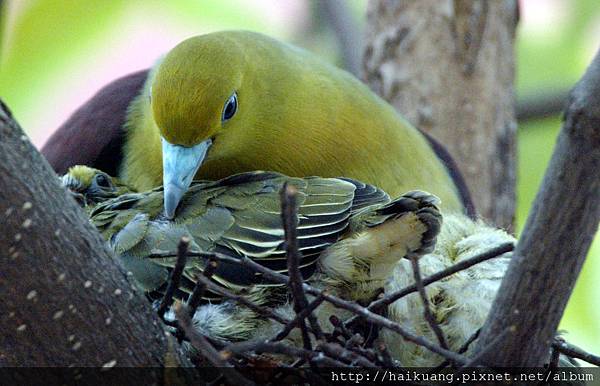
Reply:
x=65, y=300
x=556, y=239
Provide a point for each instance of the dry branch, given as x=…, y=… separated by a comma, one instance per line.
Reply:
x=460, y=266
x=174, y=276
x=261, y=346
x=289, y=217
x=303, y=314
x=334, y=350
x=429, y=317
x=336, y=301
x=214, y=357
x=360, y=313
x=242, y=300
x=556, y=237
x=197, y=294
x=575, y=352
x=65, y=300
x=542, y=104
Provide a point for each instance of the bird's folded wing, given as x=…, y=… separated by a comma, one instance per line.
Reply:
x=239, y=216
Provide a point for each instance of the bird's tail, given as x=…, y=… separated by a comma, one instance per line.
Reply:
x=379, y=236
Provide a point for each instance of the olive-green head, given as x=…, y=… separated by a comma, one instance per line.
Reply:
x=91, y=186
x=196, y=89
x=196, y=93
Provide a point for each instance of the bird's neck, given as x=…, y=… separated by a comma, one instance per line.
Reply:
x=142, y=166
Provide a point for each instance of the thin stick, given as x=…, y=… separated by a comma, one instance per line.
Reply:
x=554, y=359
x=207, y=350
x=340, y=328
x=354, y=341
x=368, y=353
x=386, y=358
x=384, y=322
x=463, y=349
x=475, y=361
x=289, y=217
x=261, y=346
x=426, y=307
x=353, y=307
x=265, y=311
x=355, y=344
x=300, y=316
x=460, y=266
x=340, y=303
x=198, y=292
x=336, y=351
x=575, y=352
x=174, y=277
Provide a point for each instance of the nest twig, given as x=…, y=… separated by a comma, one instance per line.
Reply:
x=343, y=346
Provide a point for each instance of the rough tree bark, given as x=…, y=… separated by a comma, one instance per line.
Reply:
x=448, y=67
x=65, y=300
x=555, y=240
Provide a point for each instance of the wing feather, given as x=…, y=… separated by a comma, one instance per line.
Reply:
x=237, y=216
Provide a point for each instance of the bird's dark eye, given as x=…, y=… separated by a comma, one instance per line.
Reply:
x=230, y=107
x=102, y=181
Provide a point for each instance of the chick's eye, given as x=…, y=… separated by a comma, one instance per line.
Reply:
x=230, y=108
x=102, y=181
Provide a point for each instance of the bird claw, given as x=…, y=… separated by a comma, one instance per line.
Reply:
x=429, y=214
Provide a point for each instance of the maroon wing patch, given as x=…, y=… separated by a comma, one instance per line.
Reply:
x=94, y=134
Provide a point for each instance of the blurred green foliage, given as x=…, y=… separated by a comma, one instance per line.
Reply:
x=41, y=39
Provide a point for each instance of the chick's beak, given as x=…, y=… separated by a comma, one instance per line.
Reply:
x=180, y=164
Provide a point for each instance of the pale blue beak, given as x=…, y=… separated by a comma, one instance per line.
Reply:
x=180, y=165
